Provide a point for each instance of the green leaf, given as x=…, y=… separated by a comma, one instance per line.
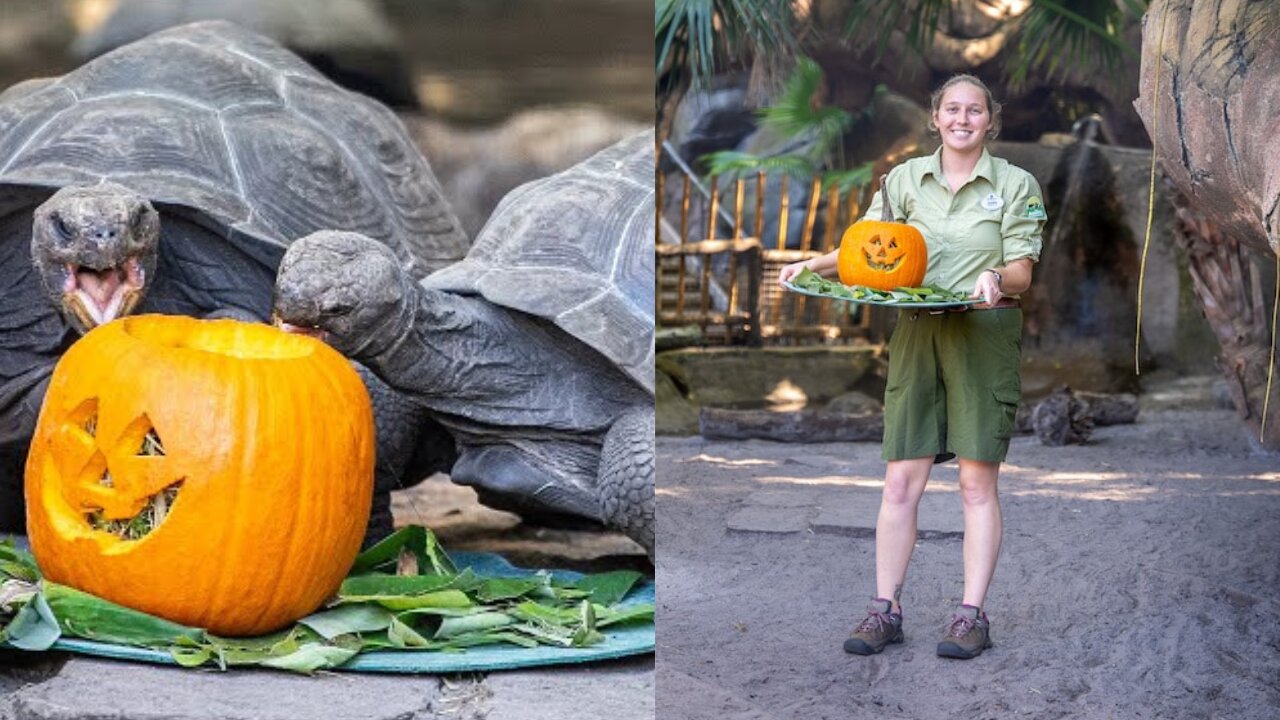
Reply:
x=452, y=626
x=442, y=599
x=190, y=657
x=492, y=589
x=84, y=615
x=34, y=627
x=489, y=638
x=10, y=552
x=539, y=613
x=432, y=559
x=347, y=619
x=585, y=637
x=641, y=612
x=609, y=588
x=402, y=635
x=546, y=634
x=310, y=658
x=374, y=587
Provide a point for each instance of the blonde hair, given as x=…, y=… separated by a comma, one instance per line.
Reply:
x=993, y=107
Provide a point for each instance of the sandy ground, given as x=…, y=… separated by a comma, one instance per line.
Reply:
x=1139, y=578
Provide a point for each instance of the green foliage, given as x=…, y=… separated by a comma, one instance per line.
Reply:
x=796, y=115
x=1057, y=34
x=875, y=18
x=439, y=608
x=735, y=164
x=810, y=283
x=688, y=40
x=1053, y=34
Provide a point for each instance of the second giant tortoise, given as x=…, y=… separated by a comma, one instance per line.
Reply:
x=535, y=351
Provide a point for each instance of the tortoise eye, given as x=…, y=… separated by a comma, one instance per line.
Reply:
x=60, y=225
x=330, y=307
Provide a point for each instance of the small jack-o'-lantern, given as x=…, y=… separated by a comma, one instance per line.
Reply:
x=214, y=473
x=882, y=254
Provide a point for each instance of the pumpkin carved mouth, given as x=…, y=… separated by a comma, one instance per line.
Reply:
x=113, y=503
x=880, y=261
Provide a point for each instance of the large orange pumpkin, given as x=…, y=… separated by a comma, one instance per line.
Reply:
x=882, y=254
x=215, y=473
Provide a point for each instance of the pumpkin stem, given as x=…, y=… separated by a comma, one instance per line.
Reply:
x=886, y=212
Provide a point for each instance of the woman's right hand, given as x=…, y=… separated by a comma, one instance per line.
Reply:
x=789, y=271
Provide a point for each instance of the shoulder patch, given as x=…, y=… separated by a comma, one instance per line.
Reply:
x=1035, y=208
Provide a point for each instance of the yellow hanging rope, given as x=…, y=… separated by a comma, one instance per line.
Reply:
x=1151, y=195
x=1271, y=364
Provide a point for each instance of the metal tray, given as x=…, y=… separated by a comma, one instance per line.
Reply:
x=898, y=304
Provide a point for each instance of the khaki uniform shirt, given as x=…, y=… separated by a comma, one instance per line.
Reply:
x=996, y=217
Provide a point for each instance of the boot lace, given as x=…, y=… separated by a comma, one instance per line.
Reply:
x=875, y=621
x=961, y=625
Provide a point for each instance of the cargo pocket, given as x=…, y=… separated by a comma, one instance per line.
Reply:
x=1007, y=398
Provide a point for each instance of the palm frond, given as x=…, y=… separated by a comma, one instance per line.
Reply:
x=703, y=34
x=1054, y=36
x=732, y=164
x=796, y=113
x=877, y=20
x=847, y=179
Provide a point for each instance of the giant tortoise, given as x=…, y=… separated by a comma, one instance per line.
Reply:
x=536, y=351
x=169, y=176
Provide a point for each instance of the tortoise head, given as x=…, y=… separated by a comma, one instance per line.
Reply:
x=95, y=249
x=343, y=287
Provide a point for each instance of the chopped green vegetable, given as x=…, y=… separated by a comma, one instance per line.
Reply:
x=809, y=282
x=437, y=609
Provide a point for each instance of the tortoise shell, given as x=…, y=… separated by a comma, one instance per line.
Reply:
x=576, y=248
x=226, y=127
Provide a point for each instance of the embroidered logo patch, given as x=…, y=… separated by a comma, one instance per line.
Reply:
x=1035, y=208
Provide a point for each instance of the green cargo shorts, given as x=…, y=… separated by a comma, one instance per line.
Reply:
x=954, y=384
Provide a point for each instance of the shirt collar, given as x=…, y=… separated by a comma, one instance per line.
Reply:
x=984, y=169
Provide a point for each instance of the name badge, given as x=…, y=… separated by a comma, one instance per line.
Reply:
x=992, y=202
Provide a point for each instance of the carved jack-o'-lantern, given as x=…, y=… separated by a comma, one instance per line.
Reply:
x=214, y=473
x=882, y=254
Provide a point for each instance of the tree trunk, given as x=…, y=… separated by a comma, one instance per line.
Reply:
x=1213, y=120
x=1209, y=87
x=1231, y=293
x=803, y=426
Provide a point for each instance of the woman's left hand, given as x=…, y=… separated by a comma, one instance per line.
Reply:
x=988, y=288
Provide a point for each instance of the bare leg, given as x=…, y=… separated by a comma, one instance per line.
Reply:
x=904, y=482
x=983, y=527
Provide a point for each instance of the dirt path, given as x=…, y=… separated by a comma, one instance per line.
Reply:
x=1139, y=578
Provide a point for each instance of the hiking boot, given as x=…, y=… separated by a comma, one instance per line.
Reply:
x=968, y=634
x=879, y=628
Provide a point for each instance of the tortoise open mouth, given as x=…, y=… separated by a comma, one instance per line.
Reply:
x=98, y=296
x=314, y=332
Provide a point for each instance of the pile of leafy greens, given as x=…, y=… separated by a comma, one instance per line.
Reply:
x=811, y=282
x=380, y=606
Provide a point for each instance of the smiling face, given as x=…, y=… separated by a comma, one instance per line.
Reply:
x=95, y=248
x=963, y=117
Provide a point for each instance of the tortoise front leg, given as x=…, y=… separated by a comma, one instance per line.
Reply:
x=627, y=476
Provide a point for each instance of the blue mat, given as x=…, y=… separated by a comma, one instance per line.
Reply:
x=619, y=641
